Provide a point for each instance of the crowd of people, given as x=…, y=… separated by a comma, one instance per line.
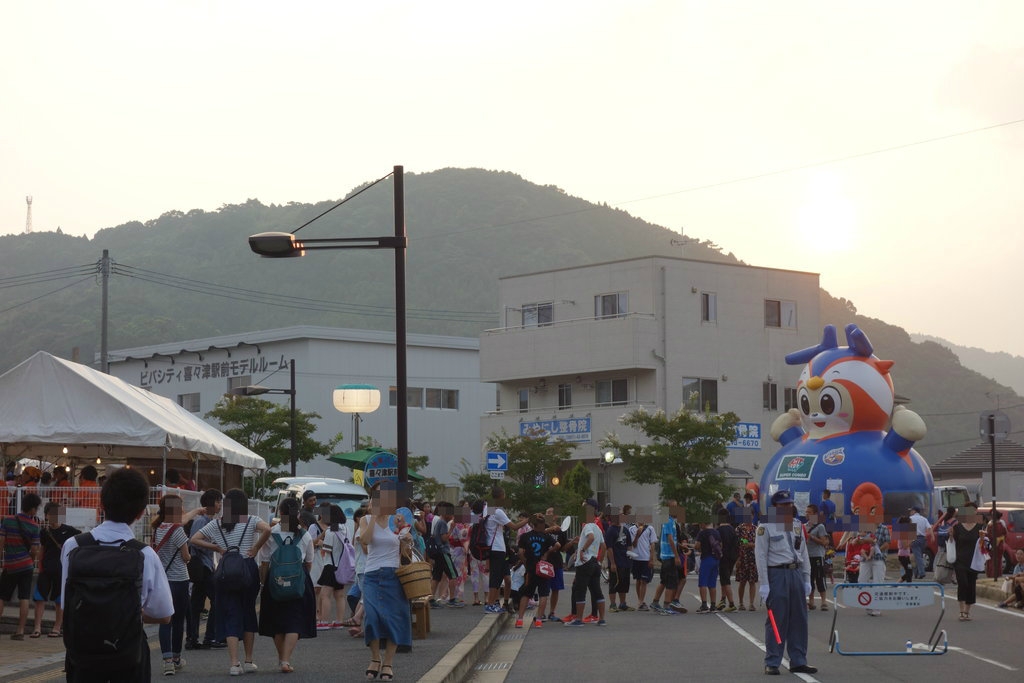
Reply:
x=306, y=574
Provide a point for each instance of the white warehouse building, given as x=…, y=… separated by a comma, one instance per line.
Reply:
x=582, y=346
x=446, y=397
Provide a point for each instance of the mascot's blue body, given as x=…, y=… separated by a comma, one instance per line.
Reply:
x=837, y=438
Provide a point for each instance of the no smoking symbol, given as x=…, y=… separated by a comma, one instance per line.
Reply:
x=864, y=598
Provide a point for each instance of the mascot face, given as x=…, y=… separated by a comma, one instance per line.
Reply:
x=842, y=388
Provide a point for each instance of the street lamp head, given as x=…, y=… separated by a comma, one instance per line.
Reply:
x=357, y=398
x=276, y=245
x=609, y=457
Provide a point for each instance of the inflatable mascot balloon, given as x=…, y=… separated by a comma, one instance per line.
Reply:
x=837, y=437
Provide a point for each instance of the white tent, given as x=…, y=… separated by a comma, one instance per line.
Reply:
x=48, y=404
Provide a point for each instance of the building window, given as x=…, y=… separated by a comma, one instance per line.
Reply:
x=497, y=398
x=789, y=398
x=610, y=305
x=413, y=397
x=450, y=399
x=700, y=394
x=708, y=307
x=433, y=398
x=189, y=402
x=564, y=396
x=538, y=315
x=611, y=392
x=780, y=314
x=770, y=395
x=240, y=381
x=524, y=400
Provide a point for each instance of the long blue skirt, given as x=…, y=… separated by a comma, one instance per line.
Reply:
x=386, y=610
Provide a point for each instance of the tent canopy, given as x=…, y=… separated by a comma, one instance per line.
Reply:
x=48, y=404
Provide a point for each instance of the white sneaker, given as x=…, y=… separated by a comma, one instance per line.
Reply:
x=249, y=667
x=235, y=670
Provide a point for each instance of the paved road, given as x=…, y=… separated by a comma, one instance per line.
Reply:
x=720, y=647
x=333, y=656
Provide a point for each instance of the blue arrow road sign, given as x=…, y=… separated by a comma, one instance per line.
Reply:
x=497, y=461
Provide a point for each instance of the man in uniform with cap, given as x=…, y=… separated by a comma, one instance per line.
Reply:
x=785, y=571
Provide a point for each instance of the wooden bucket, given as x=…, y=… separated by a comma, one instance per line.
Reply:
x=415, y=578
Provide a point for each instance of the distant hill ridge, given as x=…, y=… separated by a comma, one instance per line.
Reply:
x=466, y=228
x=998, y=365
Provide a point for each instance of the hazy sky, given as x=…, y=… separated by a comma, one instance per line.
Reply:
x=112, y=112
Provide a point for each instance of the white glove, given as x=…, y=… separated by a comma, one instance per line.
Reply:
x=764, y=589
x=807, y=589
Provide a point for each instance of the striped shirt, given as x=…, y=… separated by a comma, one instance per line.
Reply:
x=240, y=536
x=170, y=553
x=20, y=533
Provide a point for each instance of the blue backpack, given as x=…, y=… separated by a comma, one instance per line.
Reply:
x=287, y=576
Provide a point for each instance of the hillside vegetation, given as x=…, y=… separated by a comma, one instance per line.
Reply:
x=466, y=228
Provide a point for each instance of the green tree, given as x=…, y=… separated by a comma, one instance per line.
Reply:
x=530, y=460
x=577, y=483
x=474, y=484
x=265, y=428
x=685, y=455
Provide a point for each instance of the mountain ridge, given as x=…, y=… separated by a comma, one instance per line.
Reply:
x=190, y=274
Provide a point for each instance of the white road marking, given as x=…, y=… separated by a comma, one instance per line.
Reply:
x=953, y=648
x=757, y=643
x=999, y=610
x=785, y=660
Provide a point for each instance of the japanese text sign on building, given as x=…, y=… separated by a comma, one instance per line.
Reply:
x=748, y=436
x=888, y=596
x=576, y=429
x=194, y=372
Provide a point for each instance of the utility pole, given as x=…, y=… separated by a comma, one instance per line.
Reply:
x=105, y=273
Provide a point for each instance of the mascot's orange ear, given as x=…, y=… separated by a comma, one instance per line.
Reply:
x=884, y=366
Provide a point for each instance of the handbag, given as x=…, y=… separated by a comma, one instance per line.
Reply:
x=978, y=561
x=545, y=569
x=950, y=550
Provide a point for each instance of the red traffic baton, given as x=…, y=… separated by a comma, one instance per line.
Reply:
x=771, y=616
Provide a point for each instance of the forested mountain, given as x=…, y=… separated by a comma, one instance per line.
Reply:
x=191, y=274
x=999, y=365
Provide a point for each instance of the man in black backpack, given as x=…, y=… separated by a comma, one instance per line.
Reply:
x=112, y=585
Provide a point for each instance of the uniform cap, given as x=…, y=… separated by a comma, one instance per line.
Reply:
x=781, y=497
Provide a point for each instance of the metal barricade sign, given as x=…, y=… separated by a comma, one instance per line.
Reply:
x=891, y=596
x=887, y=596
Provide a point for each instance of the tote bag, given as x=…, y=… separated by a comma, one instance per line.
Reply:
x=950, y=550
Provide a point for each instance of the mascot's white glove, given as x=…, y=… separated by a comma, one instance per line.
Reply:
x=807, y=589
x=764, y=589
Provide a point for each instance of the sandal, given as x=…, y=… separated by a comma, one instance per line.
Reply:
x=286, y=668
x=55, y=634
x=355, y=631
x=373, y=673
x=390, y=676
x=824, y=607
x=349, y=622
x=963, y=617
x=35, y=634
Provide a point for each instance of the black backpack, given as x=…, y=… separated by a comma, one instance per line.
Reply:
x=479, y=544
x=103, y=605
x=232, y=574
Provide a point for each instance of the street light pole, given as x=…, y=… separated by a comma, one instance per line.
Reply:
x=400, y=341
x=294, y=428
x=288, y=245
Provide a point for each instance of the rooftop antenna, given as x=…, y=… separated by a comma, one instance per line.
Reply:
x=28, y=214
x=682, y=242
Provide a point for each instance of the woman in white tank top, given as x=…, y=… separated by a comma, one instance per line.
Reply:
x=386, y=609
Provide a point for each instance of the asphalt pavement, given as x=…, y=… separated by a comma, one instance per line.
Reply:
x=716, y=647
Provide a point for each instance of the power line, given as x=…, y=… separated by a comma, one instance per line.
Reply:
x=59, y=289
x=390, y=310
x=268, y=300
x=49, y=278
x=743, y=179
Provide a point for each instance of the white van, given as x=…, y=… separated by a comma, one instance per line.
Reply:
x=349, y=497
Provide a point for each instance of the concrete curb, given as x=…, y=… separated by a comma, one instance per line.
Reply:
x=459, y=661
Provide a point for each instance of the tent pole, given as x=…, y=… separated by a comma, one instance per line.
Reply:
x=163, y=477
x=195, y=471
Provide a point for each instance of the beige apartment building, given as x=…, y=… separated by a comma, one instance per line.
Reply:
x=580, y=347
